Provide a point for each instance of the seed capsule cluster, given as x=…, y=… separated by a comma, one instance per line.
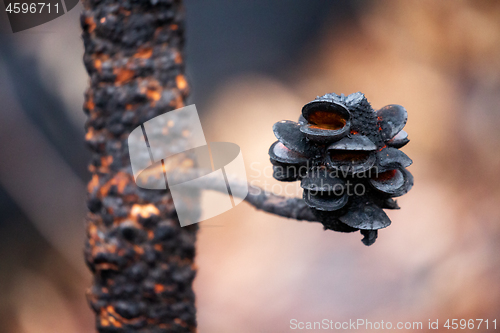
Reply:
x=346, y=156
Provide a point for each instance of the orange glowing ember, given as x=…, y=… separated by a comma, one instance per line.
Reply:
x=106, y=160
x=115, y=322
x=89, y=134
x=178, y=58
x=90, y=22
x=121, y=180
x=109, y=317
x=153, y=94
x=103, y=248
x=327, y=120
x=159, y=288
x=179, y=321
x=151, y=234
x=90, y=103
x=123, y=75
x=178, y=102
x=92, y=230
x=98, y=64
x=99, y=59
x=139, y=250
x=152, y=89
x=93, y=184
x=144, y=211
x=104, y=322
x=181, y=82
x=144, y=53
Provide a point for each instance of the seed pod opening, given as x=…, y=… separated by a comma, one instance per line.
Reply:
x=325, y=201
x=351, y=155
x=288, y=165
x=282, y=154
x=399, y=140
x=322, y=180
x=289, y=134
x=350, y=162
x=391, y=118
x=391, y=158
x=365, y=215
x=355, y=142
x=408, y=184
x=388, y=181
x=287, y=173
x=323, y=191
x=326, y=121
x=394, y=182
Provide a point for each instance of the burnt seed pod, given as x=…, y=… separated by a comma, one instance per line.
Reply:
x=347, y=157
x=326, y=120
x=351, y=155
x=323, y=191
x=288, y=165
x=289, y=134
x=399, y=140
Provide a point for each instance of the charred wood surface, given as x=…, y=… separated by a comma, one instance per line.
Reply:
x=140, y=257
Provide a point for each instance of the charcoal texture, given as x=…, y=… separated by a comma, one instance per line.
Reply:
x=141, y=259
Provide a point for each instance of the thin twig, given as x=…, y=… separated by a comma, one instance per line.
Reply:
x=293, y=208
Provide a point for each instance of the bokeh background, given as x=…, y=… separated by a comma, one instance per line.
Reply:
x=252, y=63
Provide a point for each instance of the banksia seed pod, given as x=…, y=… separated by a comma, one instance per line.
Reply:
x=347, y=158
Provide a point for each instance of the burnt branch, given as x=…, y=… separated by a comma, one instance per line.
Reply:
x=141, y=259
x=293, y=208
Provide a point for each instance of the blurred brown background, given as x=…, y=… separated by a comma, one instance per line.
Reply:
x=252, y=63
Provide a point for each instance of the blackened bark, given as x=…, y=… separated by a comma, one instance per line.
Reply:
x=292, y=208
x=142, y=260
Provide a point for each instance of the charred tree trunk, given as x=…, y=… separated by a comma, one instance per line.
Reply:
x=140, y=257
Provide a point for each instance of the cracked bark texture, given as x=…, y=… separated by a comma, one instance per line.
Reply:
x=140, y=257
